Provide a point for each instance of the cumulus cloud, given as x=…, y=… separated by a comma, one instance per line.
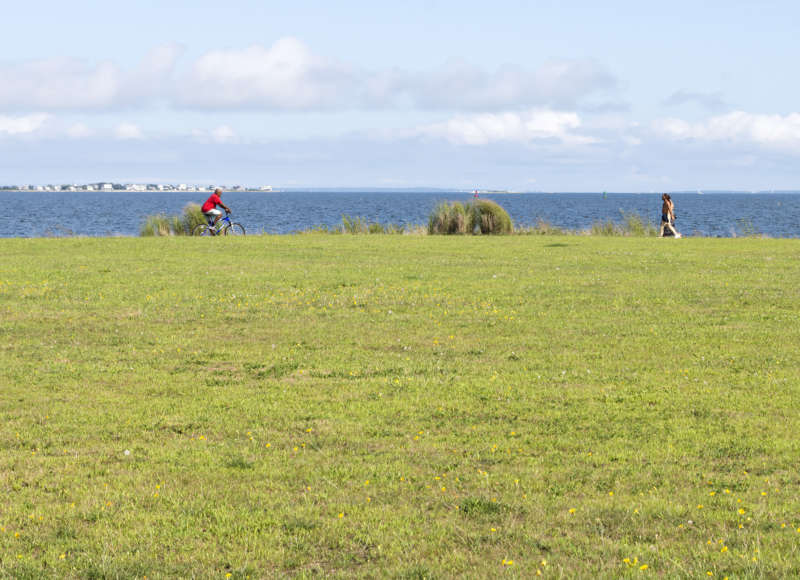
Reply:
x=771, y=131
x=22, y=125
x=533, y=125
x=68, y=83
x=128, y=131
x=459, y=85
x=289, y=75
x=285, y=76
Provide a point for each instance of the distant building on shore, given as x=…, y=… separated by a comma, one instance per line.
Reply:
x=107, y=186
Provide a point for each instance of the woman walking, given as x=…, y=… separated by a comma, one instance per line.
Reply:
x=668, y=216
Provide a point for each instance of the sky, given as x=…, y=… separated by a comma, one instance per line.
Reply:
x=627, y=96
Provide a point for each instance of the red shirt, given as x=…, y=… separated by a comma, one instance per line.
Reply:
x=211, y=203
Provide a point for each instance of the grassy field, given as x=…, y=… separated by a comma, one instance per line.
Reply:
x=399, y=406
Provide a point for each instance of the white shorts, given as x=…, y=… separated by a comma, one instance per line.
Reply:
x=212, y=213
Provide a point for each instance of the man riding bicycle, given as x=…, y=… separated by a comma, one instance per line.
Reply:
x=209, y=208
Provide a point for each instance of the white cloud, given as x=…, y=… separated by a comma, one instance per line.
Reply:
x=69, y=83
x=772, y=131
x=483, y=129
x=22, y=125
x=289, y=75
x=128, y=131
x=459, y=85
x=285, y=76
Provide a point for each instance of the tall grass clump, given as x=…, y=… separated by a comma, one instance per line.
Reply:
x=477, y=217
x=449, y=218
x=156, y=225
x=356, y=225
x=636, y=225
x=489, y=217
x=191, y=218
x=176, y=225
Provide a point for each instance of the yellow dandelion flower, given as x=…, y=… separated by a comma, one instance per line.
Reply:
x=643, y=567
x=341, y=515
x=572, y=510
x=62, y=556
x=724, y=549
x=741, y=511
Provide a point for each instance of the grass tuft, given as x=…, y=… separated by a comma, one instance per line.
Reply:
x=480, y=216
x=178, y=225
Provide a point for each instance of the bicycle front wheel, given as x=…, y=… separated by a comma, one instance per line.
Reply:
x=202, y=230
x=234, y=230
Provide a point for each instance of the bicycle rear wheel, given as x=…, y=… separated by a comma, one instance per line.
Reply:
x=202, y=230
x=234, y=230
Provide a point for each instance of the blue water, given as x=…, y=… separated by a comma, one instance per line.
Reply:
x=41, y=214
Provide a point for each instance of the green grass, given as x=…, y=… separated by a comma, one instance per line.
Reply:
x=399, y=406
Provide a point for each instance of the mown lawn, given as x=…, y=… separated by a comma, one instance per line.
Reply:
x=399, y=406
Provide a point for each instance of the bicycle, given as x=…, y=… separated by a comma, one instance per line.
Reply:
x=224, y=227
